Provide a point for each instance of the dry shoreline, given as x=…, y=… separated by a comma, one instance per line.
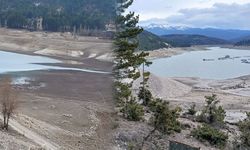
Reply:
x=83, y=52
x=69, y=108
x=175, y=89
x=234, y=93
x=168, y=52
x=192, y=81
x=54, y=44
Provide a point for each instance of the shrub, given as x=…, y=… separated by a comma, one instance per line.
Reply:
x=8, y=100
x=131, y=146
x=244, y=127
x=191, y=110
x=122, y=93
x=133, y=111
x=212, y=135
x=165, y=119
x=148, y=96
x=212, y=114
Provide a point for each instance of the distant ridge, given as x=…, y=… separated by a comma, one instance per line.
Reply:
x=226, y=34
x=185, y=40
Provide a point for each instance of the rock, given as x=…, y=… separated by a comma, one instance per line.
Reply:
x=233, y=117
x=67, y=115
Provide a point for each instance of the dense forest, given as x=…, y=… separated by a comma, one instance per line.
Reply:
x=57, y=15
x=185, y=40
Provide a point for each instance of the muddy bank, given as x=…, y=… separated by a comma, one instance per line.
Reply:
x=70, y=109
x=63, y=105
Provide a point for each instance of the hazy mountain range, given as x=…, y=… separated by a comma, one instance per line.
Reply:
x=226, y=34
x=162, y=36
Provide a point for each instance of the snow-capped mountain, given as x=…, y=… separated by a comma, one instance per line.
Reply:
x=164, y=26
x=226, y=34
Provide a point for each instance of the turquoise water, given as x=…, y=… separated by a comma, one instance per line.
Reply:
x=13, y=62
x=219, y=63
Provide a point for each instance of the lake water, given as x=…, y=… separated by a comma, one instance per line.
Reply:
x=13, y=62
x=216, y=63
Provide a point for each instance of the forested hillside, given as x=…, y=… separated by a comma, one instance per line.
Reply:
x=56, y=15
x=185, y=40
x=149, y=41
x=243, y=43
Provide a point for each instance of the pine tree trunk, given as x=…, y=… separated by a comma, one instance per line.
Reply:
x=4, y=121
x=143, y=82
x=7, y=122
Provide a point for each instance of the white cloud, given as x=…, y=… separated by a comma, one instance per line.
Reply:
x=196, y=13
x=220, y=16
x=149, y=9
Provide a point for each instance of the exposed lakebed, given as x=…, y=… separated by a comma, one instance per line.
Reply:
x=215, y=63
x=14, y=62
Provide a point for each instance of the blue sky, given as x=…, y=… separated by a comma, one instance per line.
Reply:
x=226, y=14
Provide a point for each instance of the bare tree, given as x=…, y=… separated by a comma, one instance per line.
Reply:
x=8, y=100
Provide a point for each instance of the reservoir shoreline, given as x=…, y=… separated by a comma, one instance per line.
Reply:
x=168, y=52
x=63, y=104
x=204, y=62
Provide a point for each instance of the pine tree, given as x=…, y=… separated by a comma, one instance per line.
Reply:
x=127, y=61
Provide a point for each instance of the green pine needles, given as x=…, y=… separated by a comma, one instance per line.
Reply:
x=127, y=60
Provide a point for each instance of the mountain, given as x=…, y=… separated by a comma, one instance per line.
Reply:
x=186, y=40
x=56, y=15
x=210, y=32
x=149, y=41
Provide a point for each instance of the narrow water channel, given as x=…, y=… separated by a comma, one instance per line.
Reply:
x=14, y=62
